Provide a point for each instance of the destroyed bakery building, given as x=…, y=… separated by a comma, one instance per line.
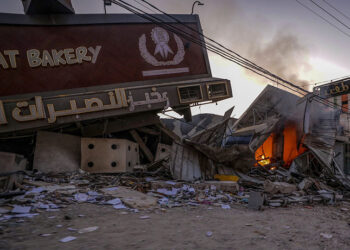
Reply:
x=96, y=76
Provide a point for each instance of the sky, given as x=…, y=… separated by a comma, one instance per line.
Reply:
x=279, y=35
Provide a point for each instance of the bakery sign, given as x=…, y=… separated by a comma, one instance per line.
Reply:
x=53, y=58
x=39, y=57
x=336, y=88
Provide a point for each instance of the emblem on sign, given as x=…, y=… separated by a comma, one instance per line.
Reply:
x=161, y=39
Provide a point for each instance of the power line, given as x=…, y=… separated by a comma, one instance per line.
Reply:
x=337, y=10
x=330, y=14
x=240, y=61
x=132, y=8
x=143, y=5
x=323, y=18
x=222, y=46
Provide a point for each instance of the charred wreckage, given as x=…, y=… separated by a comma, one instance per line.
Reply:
x=79, y=111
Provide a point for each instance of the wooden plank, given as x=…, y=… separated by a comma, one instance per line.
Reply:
x=170, y=133
x=143, y=146
x=148, y=131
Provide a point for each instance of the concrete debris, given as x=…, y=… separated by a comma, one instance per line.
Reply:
x=56, y=152
x=21, y=210
x=326, y=236
x=209, y=233
x=144, y=217
x=256, y=200
x=132, y=198
x=279, y=187
x=87, y=230
x=68, y=239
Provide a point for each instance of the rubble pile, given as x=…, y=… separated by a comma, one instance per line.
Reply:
x=40, y=192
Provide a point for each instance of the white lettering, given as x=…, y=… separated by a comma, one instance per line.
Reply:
x=12, y=56
x=47, y=59
x=95, y=52
x=70, y=56
x=3, y=62
x=81, y=54
x=33, y=58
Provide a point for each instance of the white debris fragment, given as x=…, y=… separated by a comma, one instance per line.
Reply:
x=36, y=190
x=326, y=236
x=45, y=235
x=114, y=201
x=111, y=189
x=59, y=225
x=119, y=206
x=72, y=229
x=20, y=209
x=87, y=230
x=93, y=193
x=209, y=233
x=163, y=201
x=81, y=197
x=144, y=217
x=167, y=192
x=188, y=188
x=225, y=206
x=67, y=239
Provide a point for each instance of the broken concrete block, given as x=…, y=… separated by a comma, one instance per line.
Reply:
x=99, y=155
x=279, y=187
x=131, y=198
x=10, y=162
x=305, y=184
x=256, y=200
x=163, y=151
x=56, y=152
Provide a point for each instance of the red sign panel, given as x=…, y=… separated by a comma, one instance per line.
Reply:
x=48, y=58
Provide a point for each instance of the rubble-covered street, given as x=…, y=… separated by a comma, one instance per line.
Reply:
x=203, y=227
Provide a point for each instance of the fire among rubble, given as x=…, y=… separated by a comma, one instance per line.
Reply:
x=284, y=146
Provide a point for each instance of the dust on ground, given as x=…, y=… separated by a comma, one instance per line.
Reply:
x=203, y=227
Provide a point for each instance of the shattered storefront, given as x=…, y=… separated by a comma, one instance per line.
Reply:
x=99, y=77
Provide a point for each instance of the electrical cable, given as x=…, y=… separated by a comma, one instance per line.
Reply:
x=210, y=48
x=323, y=18
x=337, y=10
x=330, y=14
x=240, y=61
x=174, y=18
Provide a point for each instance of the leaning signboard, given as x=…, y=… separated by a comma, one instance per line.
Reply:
x=64, y=68
x=332, y=89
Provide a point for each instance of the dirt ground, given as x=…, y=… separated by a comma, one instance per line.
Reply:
x=182, y=228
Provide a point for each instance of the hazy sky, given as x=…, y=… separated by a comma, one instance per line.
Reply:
x=279, y=35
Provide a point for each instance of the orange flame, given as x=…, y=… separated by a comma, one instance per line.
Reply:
x=264, y=154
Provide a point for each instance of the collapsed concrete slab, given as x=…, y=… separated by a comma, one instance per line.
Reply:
x=56, y=152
